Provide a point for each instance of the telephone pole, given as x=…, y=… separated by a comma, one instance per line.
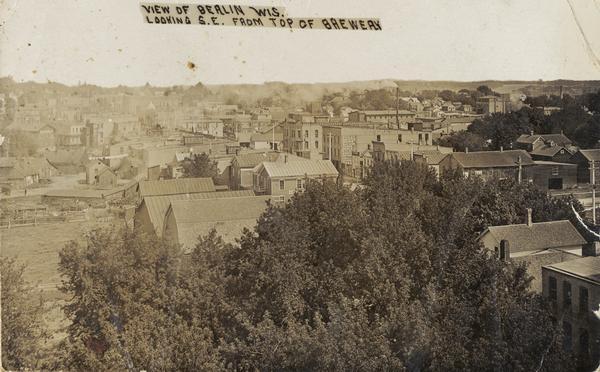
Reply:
x=397, y=107
x=520, y=173
x=593, y=182
x=329, y=155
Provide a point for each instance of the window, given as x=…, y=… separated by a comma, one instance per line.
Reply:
x=555, y=171
x=306, y=133
x=584, y=341
x=399, y=138
x=552, y=288
x=316, y=133
x=281, y=184
x=420, y=138
x=279, y=198
x=426, y=137
x=566, y=293
x=583, y=299
x=299, y=184
x=316, y=144
x=567, y=333
x=299, y=133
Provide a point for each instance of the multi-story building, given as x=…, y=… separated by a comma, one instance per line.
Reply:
x=535, y=243
x=69, y=134
x=303, y=135
x=574, y=289
x=392, y=117
x=341, y=142
x=488, y=105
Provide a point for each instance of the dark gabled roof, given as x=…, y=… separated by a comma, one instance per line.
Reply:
x=492, y=159
x=539, y=236
x=549, y=150
x=585, y=268
x=591, y=154
x=177, y=186
x=157, y=206
x=559, y=139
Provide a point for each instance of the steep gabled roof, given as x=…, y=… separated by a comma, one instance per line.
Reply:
x=492, y=159
x=539, y=236
x=549, y=150
x=176, y=186
x=560, y=139
x=229, y=216
x=157, y=206
x=591, y=154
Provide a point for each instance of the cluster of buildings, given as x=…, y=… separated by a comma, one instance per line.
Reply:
x=565, y=269
x=133, y=147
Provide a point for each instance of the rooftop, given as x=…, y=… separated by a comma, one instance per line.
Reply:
x=229, y=216
x=492, y=159
x=300, y=168
x=158, y=205
x=539, y=236
x=176, y=186
x=585, y=268
x=559, y=139
x=591, y=154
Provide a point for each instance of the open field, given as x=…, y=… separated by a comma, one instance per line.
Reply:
x=37, y=247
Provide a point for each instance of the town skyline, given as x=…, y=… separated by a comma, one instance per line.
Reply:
x=531, y=40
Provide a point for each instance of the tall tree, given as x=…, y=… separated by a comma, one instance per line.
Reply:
x=200, y=165
x=23, y=329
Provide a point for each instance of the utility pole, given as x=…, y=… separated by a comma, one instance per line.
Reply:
x=329, y=135
x=273, y=139
x=520, y=173
x=397, y=107
x=593, y=182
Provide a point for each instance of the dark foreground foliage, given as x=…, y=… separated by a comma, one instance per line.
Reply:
x=386, y=278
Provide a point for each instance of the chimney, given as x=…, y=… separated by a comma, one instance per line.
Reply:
x=466, y=150
x=501, y=148
x=531, y=132
x=504, y=250
x=529, y=219
x=591, y=249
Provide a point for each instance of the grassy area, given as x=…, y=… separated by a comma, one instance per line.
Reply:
x=37, y=247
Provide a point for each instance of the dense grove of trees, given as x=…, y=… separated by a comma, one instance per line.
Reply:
x=389, y=277
x=383, y=99
x=579, y=120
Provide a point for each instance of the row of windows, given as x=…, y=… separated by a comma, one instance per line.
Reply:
x=584, y=338
x=568, y=295
x=293, y=134
x=299, y=184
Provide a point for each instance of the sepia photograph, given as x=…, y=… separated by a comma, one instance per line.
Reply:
x=296, y=185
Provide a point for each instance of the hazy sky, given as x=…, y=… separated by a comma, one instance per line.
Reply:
x=106, y=43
